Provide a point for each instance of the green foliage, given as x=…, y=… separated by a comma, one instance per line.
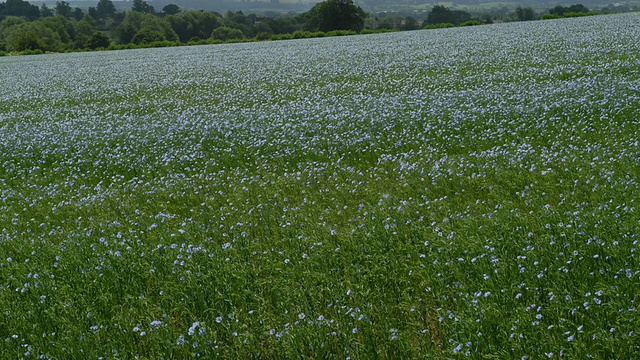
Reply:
x=136, y=21
x=376, y=31
x=471, y=23
x=64, y=9
x=341, y=33
x=27, y=40
x=225, y=33
x=579, y=14
x=439, y=26
x=171, y=9
x=19, y=8
x=525, y=14
x=284, y=25
x=32, y=52
x=335, y=15
x=263, y=36
x=561, y=10
x=105, y=9
x=43, y=35
x=409, y=23
x=550, y=16
x=99, y=40
x=147, y=36
x=45, y=11
x=2, y=53
x=193, y=24
x=442, y=15
x=142, y=7
x=282, y=37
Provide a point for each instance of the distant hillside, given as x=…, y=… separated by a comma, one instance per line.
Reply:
x=284, y=6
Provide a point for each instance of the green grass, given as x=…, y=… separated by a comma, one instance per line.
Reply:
x=405, y=195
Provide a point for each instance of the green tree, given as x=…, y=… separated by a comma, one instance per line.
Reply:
x=335, y=15
x=143, y=7
x=105, y=9
x=526, y=14
x=61, y=26
x=98, y=40
x=409, y=23
x=226, y=33
x=442, y=15
x=64, y=9
x=32, y=36
x=28, y=40
x=135, y=22
x=171, y=9
x=45, y=11
x=194, y=25
x=84, y=29
x=561, y=10
x=78, y=14
x=147, y=36
x=19, y=8
x=284, y=25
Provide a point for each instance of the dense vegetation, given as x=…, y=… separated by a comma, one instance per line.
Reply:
x=29, y=29
x=425, y=194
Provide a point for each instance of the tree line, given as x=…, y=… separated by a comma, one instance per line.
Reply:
x=28, y=28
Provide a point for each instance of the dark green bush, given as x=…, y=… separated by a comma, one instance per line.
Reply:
x=439, y=26
x=471, y=23
x=264, y=36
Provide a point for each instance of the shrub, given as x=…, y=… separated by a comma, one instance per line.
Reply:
x=225, y=33
x=471, y=23
x=550, y=16
x=263, y=36
x=147, y=36
x=341, y=33
x=439, y=26
x=302, y=34
x=33, y=52
x=98, y=40
x=578, y=14
x=282, y=37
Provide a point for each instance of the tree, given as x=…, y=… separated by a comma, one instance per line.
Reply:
x=225, y=33
x=84, y=29
x=64, y=9
x=45, y=11
x=284, y=25
x=561, y=10
x=143, y=7
x=194, y=25
x=409, y=23
x=335, y=15
x=147, y=36
x=28, y=40
x=98, y=40
x=20, y=8
x=171, y=9
x=525, y=14
x=105, y=9
x=442, y=15
x=78, y=14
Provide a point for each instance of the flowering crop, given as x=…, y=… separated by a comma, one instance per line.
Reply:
x=464, y=191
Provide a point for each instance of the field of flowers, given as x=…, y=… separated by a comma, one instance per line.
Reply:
x=434, y=194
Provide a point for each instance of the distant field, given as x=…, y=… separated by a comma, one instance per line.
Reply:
x=429, y=194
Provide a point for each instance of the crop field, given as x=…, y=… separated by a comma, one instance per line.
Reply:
x=431, y=194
